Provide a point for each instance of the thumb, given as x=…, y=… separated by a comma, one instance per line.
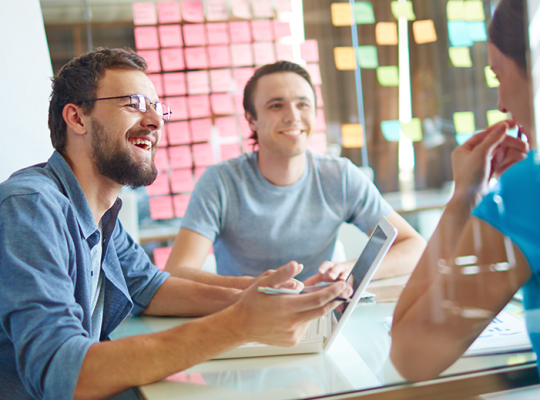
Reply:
x=492, y=140
x=282, y=274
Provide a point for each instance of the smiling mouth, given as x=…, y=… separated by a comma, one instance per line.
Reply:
x=295, y=132
x=141, y=143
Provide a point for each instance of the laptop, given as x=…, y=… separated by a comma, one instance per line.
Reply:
x=323, y=331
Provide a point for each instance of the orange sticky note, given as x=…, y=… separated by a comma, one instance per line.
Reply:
x=170, y=35
x=179, y=157
x=345, y=58
x=217, y=33
x=262, y=30
x=178, y=106
x=160, y=186
x=241, y=55
x=284, y=52
x=263, y=53
x=229, y=150
x=281, y=29
x=352, y=135
x=152, y=60
x=386, y=33
x=194, y=35
x=220, y=80
x=181, y=180
x=197, y=82
x=144, y=13
x=262, y=9
x=424, y=31
x=216, y=10
x=199, y=106
x=178, y=133
x=175, y=83
x=309, y=51
x=219, y=56
x=161, y=255
x=158, y=84
x=168, y=12
x=161, y=207
x=172, y=59
x=196, y=57
x=241, y=76
x=146, y=37
x=203, y=155
x=161, y=160
x=226, y=126
x=315, y=73
x=192, y=10
x=222, y=103
x=341, y=14
x=239, y=32
x=201, y=130
x=181, y=202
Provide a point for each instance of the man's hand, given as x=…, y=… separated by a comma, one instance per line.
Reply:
x=288, y=284
x=330, y=271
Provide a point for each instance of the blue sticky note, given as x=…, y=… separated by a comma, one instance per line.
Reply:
x=391, y=130
x=463, y=137
x=477, y=31
x=458, y=33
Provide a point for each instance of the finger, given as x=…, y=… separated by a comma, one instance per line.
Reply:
x=320, y=311
x=337, y=270
x=479, y=137
x=325, y=266
x=281, y=275
x=492, y=140
x=512, y=157
x=313, y=280
x=316, y=299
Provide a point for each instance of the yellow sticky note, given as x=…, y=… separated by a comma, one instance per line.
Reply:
x=455, y=10
x=388, y=75
x=413, y=129
x=460, y=57
x=403, y=9
x=464, y=122
x=474, y=10
x=494, y=116
x=386, y=33
x=341, y=14
x=345, y=58
x=491, y=78
x=424, y=31
x=352, y=135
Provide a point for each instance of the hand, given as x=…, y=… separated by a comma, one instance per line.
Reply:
x=288, y=284
x=330, y=271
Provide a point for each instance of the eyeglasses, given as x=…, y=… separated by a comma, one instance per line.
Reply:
x=143, y=104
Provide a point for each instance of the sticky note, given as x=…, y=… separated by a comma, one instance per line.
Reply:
x=182, y=180
x=455, y=10
x=152, y=60
x=477, y=31
x=220, y=80
x=158, y=83
x=491, y=78
x=240, y=8
x=424, y=31
x=146, y=37
x=179, y=157
x=464, y=122
x=309, y=51
x=203, y=155
x=172, y=59
x=368, y=57
x=341, y=14
x=241, y=76
x=238, y=99
x=239, y=32
x=197, y=172
x=161, y=160
x=345, y=58
x=194, y=35
x=178, y=133
x=199, y=106
x=317, y=143
x=197, y=82
x=474, y=10
x=196, y=57
x=192, y=10
x=229, y=150
x=168, y=12
x=391, y=130
x=219, y=56
x=320, y=124
x=363, y=13
x=181, y=202
x=216, y=10
x=314, y=73
x=144, y=13
x=284, y=52
x=170, y=35
x=262, y=30
x=386, y=33
x=245, y=130
x=352, y=135
x=458, y=33
x=161, y=207
x=283, y=5
x=241, y=55
x=388, y=75
x=217, y=33
x=494, y=116
x=262, y=9
x=174, y=83
x=463, y=137
x=178, y=106
x=403, y=9
x=201, y=130
x=226, y=126
x=263, y=53
x=412, y=129
x=160, y=186
x=281, y=29
x=161, y=255
x=318, y=96
x=163, y=141
x=222, y=103
x=460, y=57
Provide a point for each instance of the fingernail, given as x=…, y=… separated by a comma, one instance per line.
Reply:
x=301, y=266
x=348, y=291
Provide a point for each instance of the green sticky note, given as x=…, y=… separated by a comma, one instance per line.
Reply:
x=455, y=10
x=368, y=57
x=388, y=75
x=363, y=13
x=464, y=122
x=494, y=116
x=413, y=129
x=491, y=78
x=403, y=9
x=460, y=57
x=474, y=10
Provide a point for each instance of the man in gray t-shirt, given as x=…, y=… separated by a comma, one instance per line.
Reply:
x=282, y=202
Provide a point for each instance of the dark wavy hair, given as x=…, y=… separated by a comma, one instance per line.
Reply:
x=507, y=31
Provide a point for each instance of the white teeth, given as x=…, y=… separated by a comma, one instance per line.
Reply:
x=147, y=143
x=292, y=133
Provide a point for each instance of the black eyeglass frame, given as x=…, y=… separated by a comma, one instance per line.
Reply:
x=158, y=106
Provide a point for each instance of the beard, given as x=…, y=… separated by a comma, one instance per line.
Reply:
x=117, y=163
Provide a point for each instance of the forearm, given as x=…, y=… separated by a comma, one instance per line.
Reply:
x=196, y=275
x=401, y=258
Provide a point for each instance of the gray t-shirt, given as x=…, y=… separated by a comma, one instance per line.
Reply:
x=256, y=226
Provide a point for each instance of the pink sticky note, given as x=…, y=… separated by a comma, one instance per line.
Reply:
x=263, y=53
x=178, y=132
x=199, y=106
x=238, y=99
x=178, y=377
x=178, y=106
x=161, y=160
x=216, y=10
x=217, y=33
x=229, y=150
x=284, y=52
x=194, y=35
x=174, y=83
x=226, y=126
x=317, y=143
x=240, y=8
x=160, y=186
x=262, y=30
x=201, y=130
x=182, y=180
x=220, y=80
x=168, y=12
x=180, y=157
x=152, y=60
x=222, y=103
x=239, y=32
x=161, y=255
x=314, y=73
x=241, y=55
x=146, y=37
x=203, y=155
x=197, y=82
x=281, y=29
x=172, y=59
x=170, y=35
x=241, y=76
x=181, y=202
x=192, y=11
x=161, y=207
x=144, y=13
x=318, y=96
x=245, y=130
x=219, y=56
x=320, y=124
x=248, y=145
x=196, y=58
x=309, y=51
x=283, y=5
x=262, y=8
x=158, y=84
x=163, y=141
x=197, y=172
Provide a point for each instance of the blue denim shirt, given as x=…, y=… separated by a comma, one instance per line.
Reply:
x=46, y=233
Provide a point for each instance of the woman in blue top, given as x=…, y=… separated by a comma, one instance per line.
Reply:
x=486, y=246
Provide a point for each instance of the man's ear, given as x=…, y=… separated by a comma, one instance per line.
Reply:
x=73, y=116
x=252, y=122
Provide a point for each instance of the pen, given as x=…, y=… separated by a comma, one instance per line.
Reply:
x=519, y=133
x=271, y=290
